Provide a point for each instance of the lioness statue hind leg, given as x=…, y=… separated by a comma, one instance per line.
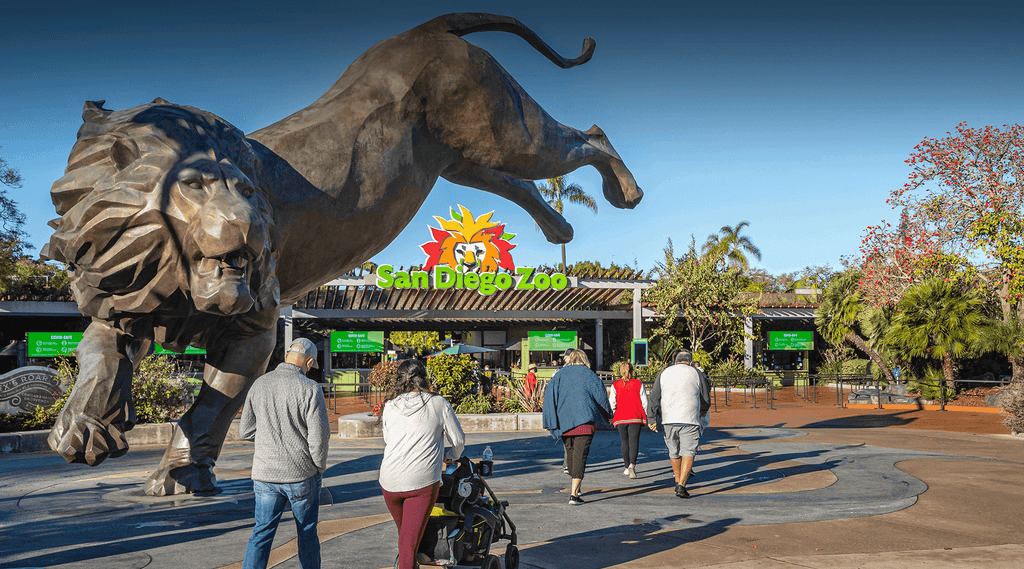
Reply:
x=100, y=409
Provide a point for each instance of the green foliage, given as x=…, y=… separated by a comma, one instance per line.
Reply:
x=514, y=405
x=833, y=360
x=421, y=342
x=478, y=404
x=929, y=386
x=702, y=359
x=557, y=192
x=517, y=400
x=452, y=376
x=732, y=369
x=937, y=319
x=646, y=374
x=701, y=288
x=727, y=248
x=841, y=305
x=158, y=390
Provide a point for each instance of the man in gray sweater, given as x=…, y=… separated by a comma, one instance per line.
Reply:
x=680, y=397
x=286, y=415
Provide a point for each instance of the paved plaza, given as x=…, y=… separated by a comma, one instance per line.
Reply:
x=832, y=494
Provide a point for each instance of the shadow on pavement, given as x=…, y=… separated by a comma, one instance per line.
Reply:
x=864, y=421
x=622, y=544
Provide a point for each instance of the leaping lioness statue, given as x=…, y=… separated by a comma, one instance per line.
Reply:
x=178, y=228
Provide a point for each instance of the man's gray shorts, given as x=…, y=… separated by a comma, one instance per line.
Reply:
x=681, y=439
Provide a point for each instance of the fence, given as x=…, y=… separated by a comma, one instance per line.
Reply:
x=844, y=381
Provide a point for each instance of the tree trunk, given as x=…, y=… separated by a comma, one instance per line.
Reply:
x=947, y=370
x=877, y=359
x=563, y=257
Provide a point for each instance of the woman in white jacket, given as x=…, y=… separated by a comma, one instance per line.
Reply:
x=416, y=423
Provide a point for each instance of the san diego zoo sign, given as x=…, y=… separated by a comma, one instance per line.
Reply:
x=467, y=253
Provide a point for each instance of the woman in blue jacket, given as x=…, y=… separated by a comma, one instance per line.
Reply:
x=574, y=401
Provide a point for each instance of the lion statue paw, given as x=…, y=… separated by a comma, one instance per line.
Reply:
x=83, y=439
x=188, y=479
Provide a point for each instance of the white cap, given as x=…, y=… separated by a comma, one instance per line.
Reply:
x=306, y=347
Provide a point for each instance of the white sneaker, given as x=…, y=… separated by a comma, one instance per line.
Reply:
x=631, y=472
x=626, y=472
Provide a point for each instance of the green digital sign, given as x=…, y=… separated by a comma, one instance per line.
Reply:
x=791, y=340
x=362, y=342
x=189, y=351
x=552, y=341
x=51, y=344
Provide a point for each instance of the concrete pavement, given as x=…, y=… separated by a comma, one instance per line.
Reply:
x=766, y=497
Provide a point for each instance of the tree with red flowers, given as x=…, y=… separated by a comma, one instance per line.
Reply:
x=960, y=217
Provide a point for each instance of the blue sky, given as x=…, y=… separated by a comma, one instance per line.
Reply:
x=794, y=116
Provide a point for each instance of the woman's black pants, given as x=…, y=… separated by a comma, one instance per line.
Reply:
x=629, y=434
x=577, y=448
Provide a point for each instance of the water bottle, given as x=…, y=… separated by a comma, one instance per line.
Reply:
x=488, y=455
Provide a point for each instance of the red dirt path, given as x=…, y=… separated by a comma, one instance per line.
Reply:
x=790, y=410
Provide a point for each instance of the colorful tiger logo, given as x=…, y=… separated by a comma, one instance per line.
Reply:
x=477, y=245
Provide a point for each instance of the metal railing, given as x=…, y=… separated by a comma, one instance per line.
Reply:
x=848, y=383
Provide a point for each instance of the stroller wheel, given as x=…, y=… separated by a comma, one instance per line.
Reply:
x=511, y=557
x=491, y=562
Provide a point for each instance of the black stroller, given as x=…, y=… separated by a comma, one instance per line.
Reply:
x=467, y=519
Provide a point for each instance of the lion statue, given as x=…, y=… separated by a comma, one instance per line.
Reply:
x=177, y=228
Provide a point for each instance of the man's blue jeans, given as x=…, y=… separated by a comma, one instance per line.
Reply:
x=270, y=501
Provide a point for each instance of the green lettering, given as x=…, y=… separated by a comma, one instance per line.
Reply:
x=559, y=281
x=420, y=279
x=471, y=280
x=503, y=281
x=486, y=286
x=542, y=281
x=402, y=280
x=524, y=282
x=444, y=277
x=384, y=279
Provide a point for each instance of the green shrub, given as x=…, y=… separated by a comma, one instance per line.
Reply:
x=731, y=369
x=157, y=390
x=475, y=404
x=517, y=401
x=702, y=359
x=512, y=405
x=855, y=367
x=929, y=386
x=452, y=376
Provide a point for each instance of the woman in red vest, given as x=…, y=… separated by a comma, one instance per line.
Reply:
x=628, y=399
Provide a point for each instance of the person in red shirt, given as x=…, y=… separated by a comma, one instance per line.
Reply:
x=630, y=408
x=531, y=380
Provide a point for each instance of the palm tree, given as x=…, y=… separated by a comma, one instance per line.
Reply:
x=842, y=306
x=557, y=192
x=938, y=320
x=730, y=246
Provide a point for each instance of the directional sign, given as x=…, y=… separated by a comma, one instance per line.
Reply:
x=348, y=341
x=791, y=340
x=557, y=341
x=51, y=344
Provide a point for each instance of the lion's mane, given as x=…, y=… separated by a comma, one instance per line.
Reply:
x=119, y=232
